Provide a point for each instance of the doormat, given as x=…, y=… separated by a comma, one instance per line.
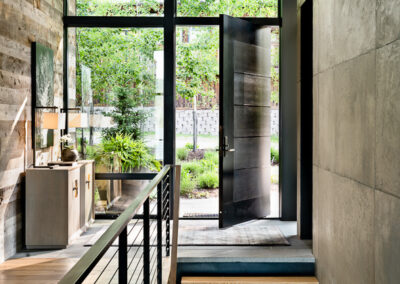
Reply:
x=207, y=233
x=201, y=215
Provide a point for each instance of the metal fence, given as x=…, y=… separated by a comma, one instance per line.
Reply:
x=131, y=249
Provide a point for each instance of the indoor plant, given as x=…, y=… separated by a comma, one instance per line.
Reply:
x=68, y=153
x=121, y=153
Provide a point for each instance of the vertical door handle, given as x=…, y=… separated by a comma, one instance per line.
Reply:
x=75, y=189
x=88, y=182
x=225, y=146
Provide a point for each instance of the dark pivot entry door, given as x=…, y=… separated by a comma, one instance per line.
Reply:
x=245, y=87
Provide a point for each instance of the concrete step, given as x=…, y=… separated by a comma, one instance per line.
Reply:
x=249, y=280
x=245, y=267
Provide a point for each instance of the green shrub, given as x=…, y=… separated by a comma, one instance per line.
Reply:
x=212, y=156
x=274, y=179
x=194, y=167
x=275, y=138
x=208, y=166
x=188, y=184
x=182, y=153
x=96, y=195
x=208, y=180
x=274, y=155
x=189, y=146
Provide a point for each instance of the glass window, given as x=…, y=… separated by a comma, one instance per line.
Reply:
x=197, y=115
x=235, y=8
x=117, y=75
x=119, y=7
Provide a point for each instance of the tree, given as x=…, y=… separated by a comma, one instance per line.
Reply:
x=197, y=66
x=125, y=57
x=118, y=57
x=125, y=113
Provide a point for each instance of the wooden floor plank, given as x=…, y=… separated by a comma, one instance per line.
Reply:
x=249, y=280
x=34, y=270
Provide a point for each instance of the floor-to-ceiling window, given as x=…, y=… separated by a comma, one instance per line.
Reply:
x=123, y=80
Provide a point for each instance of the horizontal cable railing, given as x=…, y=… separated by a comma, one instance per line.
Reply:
x=137, y=256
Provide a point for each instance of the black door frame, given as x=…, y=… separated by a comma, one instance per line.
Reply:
x=168, y=23
x=306, y=119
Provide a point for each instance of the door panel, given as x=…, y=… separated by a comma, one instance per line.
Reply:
x=245, y=88
x=250, y=183
x=252, y=90
x=251, y=152
x=251, y=121
x=250, y=57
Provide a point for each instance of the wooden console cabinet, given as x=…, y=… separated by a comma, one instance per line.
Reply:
x=59, y=204
x=87, y=193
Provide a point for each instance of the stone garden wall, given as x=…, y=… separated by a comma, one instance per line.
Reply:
x=207, y=122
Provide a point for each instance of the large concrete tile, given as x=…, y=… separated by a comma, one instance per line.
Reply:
x=388, y=119
x=345, y=230
x=298, y=44
x=353, y=230
x=315, y=228
x=325, y=260
x=325, y=34
x=316, y=41
x=354, y=28
x=315, y=121
x=355, y=119
x=387, y=238
x=326, y=120
x=387, y=21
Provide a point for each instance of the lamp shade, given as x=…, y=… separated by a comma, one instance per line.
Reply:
x=85, y=120
x=74, y=120
x=78, y=120
x=52, y=120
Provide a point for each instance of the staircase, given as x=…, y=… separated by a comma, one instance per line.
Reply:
x=249, y=280
x=246, y=270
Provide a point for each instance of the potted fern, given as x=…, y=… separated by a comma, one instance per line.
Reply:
x=121, y=153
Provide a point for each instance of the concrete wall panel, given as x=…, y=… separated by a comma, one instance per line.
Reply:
x=345, y=230
x=325, y=33
x=315, y=120
x=354, y=92
x=388, y=119
x=356, y=172
x=387, y=21
x=387, y=244
x=326, y=120
x=354, y=28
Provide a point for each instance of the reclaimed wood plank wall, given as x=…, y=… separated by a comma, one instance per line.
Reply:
x=21, y=22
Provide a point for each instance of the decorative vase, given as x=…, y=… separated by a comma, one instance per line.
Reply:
x=69, y=155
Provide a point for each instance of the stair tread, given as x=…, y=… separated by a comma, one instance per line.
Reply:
x=249, y=279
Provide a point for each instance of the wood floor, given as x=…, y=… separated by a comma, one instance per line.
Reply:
x=249, y=280
x=34, y=270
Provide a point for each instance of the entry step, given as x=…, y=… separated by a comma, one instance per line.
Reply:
x=249, y=280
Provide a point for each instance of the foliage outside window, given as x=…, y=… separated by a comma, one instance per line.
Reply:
x=120, y=8
x=123, y=65
x=235, y=8
x=198, y=8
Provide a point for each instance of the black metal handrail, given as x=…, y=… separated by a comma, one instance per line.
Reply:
x=118, y=229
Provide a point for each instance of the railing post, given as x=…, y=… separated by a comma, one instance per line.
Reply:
x=123, y=256
x=168, y=223
x=159, y=232
x=146, y=242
